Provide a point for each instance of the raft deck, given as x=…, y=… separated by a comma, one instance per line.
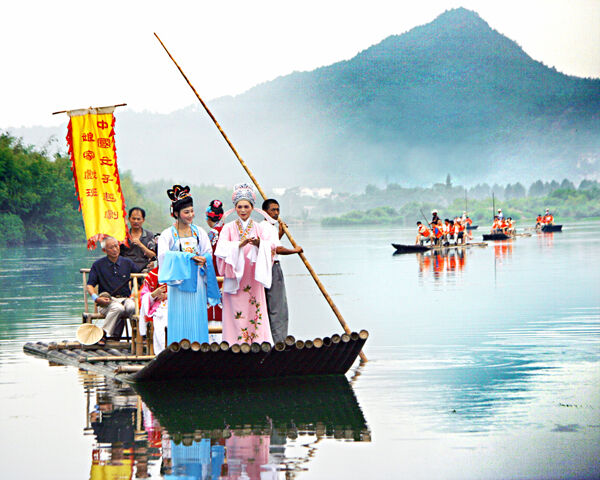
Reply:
x=328, y=356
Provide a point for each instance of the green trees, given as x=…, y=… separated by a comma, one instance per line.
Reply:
x=37, y=196
x=566, y=203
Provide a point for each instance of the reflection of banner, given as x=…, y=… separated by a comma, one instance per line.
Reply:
x=91, y=139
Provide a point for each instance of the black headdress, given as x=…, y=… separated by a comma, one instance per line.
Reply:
x=180, y=198
x=214, y=211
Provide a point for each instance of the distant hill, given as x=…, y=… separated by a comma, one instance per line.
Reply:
x=452, y=96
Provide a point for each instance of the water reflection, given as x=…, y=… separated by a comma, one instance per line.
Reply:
x=262, y=430
x=546, y=239
x=441, y=263
x=503, y=249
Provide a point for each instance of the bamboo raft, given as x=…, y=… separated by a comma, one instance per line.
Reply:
x=400, y=248
x=327, y=356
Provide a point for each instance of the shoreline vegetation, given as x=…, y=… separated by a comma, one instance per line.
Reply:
x=567, y=205
x=38, y=202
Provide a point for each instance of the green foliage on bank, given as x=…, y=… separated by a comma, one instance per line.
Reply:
x=37, y=196
x=38, y=202
x=565, y=203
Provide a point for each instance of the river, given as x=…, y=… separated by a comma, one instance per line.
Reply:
x=483, y=364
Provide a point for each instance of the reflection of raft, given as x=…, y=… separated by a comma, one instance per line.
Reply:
x=551, y=228
x=400, y=248
x=326, y=405
x=328, y=356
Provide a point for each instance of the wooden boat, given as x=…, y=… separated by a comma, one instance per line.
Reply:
x=401, y=248
x=551, y=228
x=497, y=236
x=472, y=227
x=328, y=356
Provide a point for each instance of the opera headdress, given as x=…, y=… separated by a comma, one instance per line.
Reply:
x=180, y=198
x=214, y=211
x=243, y=191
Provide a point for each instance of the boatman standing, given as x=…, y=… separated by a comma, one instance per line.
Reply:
x=276, y=296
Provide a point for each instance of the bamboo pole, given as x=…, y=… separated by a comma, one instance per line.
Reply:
x=118, y=358
x=261, y=191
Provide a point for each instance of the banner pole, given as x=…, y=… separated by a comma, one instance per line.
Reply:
x=90, y=108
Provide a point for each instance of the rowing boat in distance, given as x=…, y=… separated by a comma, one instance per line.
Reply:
x=503, y=236
x=551, y=228
x=472, y=227
x=496, y=236
x=400, y=248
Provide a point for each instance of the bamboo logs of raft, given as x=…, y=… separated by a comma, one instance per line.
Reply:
x=331, y=355
x=192, y=360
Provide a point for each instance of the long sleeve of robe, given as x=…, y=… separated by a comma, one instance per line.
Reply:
x=246, y=272
x=187, y=285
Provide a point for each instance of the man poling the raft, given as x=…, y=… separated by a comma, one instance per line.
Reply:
x=260, y=190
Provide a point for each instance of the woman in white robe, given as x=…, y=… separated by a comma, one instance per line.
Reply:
x=244, y=257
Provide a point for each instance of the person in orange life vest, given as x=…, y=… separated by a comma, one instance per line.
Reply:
x=451, y=230
x=496, y=226
x=446, y=231
x=548, y=218
x=539, y=221
x=438, y=232
x=423, y=234
x=503, y=225
x=510, y=227
x=468, y=222
x=460, y=236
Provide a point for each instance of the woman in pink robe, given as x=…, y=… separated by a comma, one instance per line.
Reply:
x=244, y=258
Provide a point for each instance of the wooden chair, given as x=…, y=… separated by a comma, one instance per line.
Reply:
x=137, y=346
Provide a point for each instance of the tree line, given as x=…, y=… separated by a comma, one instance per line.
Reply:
x=38, y=202
x=567, y=204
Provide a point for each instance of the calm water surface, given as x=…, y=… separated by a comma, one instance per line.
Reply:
x=482, y=365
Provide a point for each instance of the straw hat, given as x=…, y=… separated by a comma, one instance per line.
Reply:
x=89, y=334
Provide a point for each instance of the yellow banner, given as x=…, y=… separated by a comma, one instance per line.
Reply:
x=91, y=139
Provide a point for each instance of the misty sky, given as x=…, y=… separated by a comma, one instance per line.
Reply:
x=70, y=54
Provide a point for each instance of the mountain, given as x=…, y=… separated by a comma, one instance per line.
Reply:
x=452, y=96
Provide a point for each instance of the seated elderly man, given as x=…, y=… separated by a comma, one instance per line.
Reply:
x=112, y=274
